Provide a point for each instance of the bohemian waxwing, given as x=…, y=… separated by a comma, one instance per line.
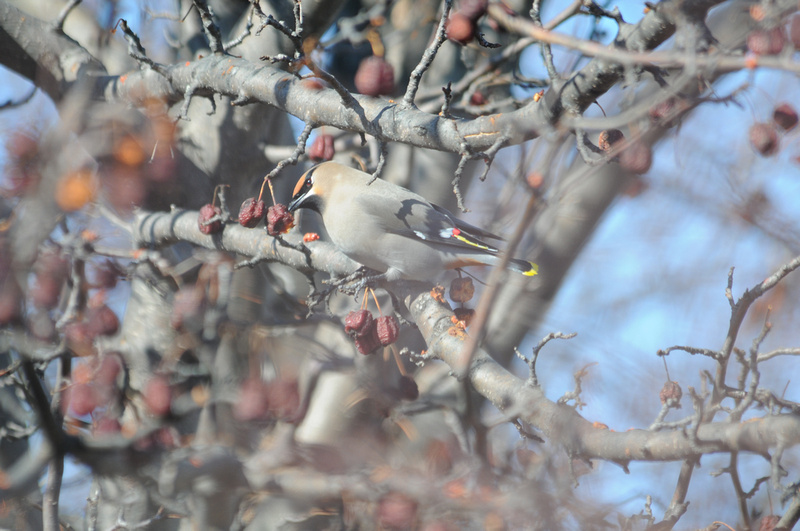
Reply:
x=390, y=229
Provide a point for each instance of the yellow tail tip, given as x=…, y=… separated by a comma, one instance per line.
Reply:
x=533, y=271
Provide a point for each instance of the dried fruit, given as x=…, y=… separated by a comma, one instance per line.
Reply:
x=671, y=390
x=251, y=212
x=253, y=400
x=81, y=398
x=208, y=213
x=785, y=116
x=358, y=324
x=75, y=189
x=768, y=523
x=375, y=77
x=397, y=511
x=766, y=41
x=322, y=148
x=279, y=220
x=794, y=31
x=636, y=157
x=102, y=321
x=464, y=316
x=462, y=289
x=764, y=138
x=477, y=98
x=368, y=343
x=408, y=389
x=157, y=396
x=460, y=28
x=608, y=138
x=387, y=329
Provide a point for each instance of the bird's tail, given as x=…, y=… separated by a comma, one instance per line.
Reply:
x=528, y=269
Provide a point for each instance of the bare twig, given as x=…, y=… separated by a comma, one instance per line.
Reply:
x=427, y=57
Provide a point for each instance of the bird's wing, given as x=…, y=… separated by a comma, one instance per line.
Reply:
x=467, y=227
x=418, y=219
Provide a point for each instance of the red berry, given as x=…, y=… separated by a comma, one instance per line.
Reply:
x=374, y=77
x=368, y=343
x=110, y=367
x=608, y=138
x=460, y=28
x=158, y=396
x=785, y=116
x=102, y=321
x=767, y=41
x=81, y=399
x=764, y=138
x=253, y=400
x=462, y=289
x=251, y=212
x=187, y=307
x=477, y=98
x=464, y=316
x=397, y=511
x=408, y=388
x=207, y=213
x=794, y=31
x=322, y=149
x=46, y=291
x=358, y=324
x=387, y=329
x=106, y=426
x=283, y=398
x=636, y=157
x=671, y=390
x=279, y=220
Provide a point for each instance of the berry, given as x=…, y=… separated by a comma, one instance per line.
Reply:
x=794, y=32
x=75, y=189
x=251, y=212
x=387, y=329
x=158, y=396
x=767, y=41
x=368, y=343
x=279, y=220
x=636, y=158
x=785, y=116
x=477, y=98
x=322, y=148
x=764, y=138
x=253, y=399
x=375, y=77
x=81, y=399
x=207, y=213
x=358, y=324
x=397, y=511
x=608, y=138
x=464, y=315
x=310, y=237
x=102, y=321
x=671, y=390
x=462, y=290
x=408, y=389
x=460, y=28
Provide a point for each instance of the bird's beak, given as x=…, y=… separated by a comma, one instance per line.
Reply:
x=296, y=202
